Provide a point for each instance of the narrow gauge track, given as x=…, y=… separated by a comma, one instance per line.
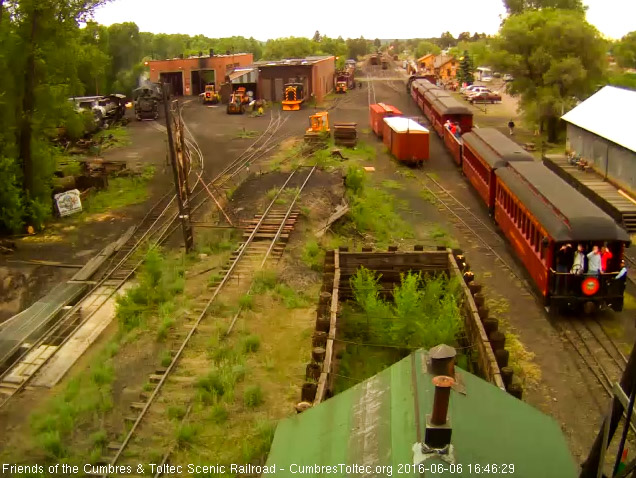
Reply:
x=261, y=242
x=155, y=228
x=598, y=351
x=631, y=270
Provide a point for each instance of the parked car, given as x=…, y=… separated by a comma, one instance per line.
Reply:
x=508, y=77
x=486, y=79
x=468, y=90
x=485, y=97
x=475, y=90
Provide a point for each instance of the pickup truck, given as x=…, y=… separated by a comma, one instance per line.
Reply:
x=485, y=97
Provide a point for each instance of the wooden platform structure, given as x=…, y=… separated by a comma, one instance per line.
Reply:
x=601, y=192
x=340, y=265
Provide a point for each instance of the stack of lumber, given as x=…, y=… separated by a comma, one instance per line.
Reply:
x=345, y=134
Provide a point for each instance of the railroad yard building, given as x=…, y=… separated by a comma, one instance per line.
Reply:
x=188, y=76
x=316, y=73
x=601, y=130
x=389, y=425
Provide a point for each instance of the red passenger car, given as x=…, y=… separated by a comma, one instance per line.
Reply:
x=377, y=113
x=447, y=108
x=539, y=213
x=484, y=151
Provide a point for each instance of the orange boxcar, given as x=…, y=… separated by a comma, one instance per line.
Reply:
x=377, y=113
x=407, y=140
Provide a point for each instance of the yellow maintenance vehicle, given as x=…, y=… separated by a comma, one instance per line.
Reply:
x=293, y=96
x=318, y=131
x=210, y=96
x=236, y=106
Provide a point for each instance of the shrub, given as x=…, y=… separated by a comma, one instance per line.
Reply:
x=99, y=438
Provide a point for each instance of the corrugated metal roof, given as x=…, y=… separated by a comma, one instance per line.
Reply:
x=376, y=423
x=400, y=124
x=609, y=114
x=310, y=60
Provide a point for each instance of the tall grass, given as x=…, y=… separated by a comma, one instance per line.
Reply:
x=160, y=280
x=313, y=255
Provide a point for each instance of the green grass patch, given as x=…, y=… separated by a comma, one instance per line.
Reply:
x=121, y=192
x=392, y=184
x=313, y=256
x=160, y=279
x=264, y=281
x=217, y=241
x=186, y=435
x=290, y=298
x=246, y=301
x=258, y=441
x=245, y=134
x=218, y=413
x=251, y=344
x=176, y=412
x=113, y=137
x=253, y=396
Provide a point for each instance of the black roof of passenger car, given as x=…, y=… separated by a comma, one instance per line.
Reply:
x=564, y=212
x=447, y=105
x=503, y=146
x=492, y=148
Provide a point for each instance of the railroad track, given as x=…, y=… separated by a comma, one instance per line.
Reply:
x=158, y=225
x=264, y=239
x=598, y=351
x=631, y=268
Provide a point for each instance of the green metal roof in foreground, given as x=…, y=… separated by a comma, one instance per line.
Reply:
x=379, y=422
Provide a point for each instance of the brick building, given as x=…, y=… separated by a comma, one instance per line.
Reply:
x=315, y=73
x=188, y=76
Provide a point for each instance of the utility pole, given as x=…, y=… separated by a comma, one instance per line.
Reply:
x=180, y=174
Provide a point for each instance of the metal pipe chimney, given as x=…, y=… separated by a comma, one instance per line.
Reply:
x=438, y=428
x=443, y=386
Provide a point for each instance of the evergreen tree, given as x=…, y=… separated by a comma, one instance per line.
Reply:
x=466, y=68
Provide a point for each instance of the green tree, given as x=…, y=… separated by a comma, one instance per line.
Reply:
x=426, y=47
x=550, y=76
x=40, y=42
x=316, y=37
x=466, y=69
x=515, y=7
x=377, y=43
x=625, y=51
x=357, y=47
x=464, y=36
x=447, y=40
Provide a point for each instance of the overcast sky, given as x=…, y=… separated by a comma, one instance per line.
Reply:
x=266, y=19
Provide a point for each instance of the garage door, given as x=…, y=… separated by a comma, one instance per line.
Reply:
x=278, y=89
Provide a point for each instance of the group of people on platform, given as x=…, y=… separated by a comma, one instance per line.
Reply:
x=595, y=262
x=453, y=128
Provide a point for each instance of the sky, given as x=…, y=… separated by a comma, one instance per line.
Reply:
x=266, y=19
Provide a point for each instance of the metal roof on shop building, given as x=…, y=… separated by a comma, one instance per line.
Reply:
x=609, y=114
x=381, y=421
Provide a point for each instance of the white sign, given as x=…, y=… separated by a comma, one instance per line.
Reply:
x=68, y=202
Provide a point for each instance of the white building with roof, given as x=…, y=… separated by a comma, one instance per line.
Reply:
x=602, y=130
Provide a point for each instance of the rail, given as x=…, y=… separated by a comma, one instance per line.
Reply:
x=173, y=364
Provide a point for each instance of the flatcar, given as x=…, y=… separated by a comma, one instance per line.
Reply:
x=484, y=151
x=539, y=213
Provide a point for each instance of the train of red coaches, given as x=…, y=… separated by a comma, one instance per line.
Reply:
x=536, y=210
